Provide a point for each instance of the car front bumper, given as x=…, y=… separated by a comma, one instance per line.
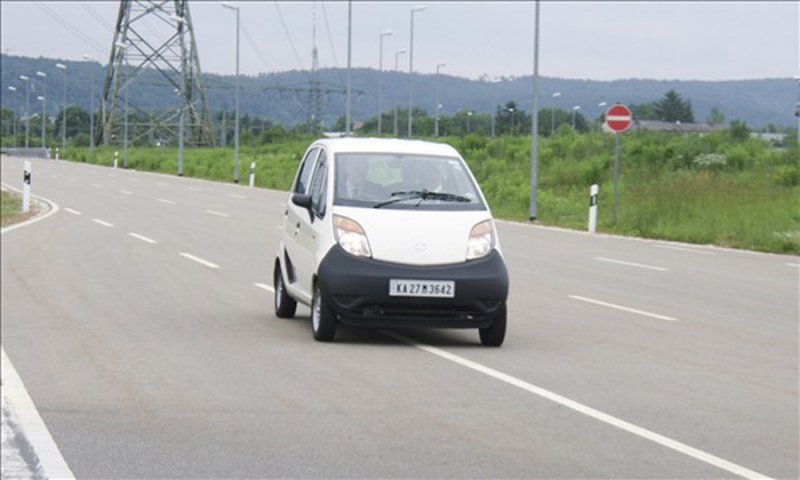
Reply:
x=357, y=289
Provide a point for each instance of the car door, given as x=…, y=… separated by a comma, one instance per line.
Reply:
x=296, y=261
x=308, y=234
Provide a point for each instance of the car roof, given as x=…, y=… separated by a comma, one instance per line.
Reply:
x=386, y=145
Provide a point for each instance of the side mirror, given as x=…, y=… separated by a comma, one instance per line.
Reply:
x=304, y=201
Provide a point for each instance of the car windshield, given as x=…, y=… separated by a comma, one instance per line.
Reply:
x=401, y=181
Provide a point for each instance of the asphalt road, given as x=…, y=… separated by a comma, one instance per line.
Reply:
x=624, y=358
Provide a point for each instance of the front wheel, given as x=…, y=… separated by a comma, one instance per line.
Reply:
x=285, y=306
x=494, y=334
x=323, y=318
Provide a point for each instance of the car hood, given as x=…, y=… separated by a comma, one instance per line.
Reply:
x=416, y=237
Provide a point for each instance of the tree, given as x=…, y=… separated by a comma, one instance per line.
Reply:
x=715, y=117
x=739, y=131
x=645, y=111
x=672, y=108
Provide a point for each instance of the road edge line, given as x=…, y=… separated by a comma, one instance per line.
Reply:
x=51, y=462
x=54, y=208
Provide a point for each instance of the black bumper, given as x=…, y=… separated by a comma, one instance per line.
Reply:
x=358, y=291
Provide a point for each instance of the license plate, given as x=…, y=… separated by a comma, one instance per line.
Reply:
x=422, y=288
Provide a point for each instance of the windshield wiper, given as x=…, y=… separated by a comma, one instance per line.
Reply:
x=422, y=195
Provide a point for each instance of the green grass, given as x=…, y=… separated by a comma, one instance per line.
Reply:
x=709, y=189
x=11, y=209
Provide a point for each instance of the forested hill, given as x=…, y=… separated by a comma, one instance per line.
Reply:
x=280, y=96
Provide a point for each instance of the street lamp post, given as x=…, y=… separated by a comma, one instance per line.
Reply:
x=235, y=7
x=63, y=109
x=511, y=110
x=42, y=99
x=574, y=111
x=553, y=113
x=91, y=108
x=380, y=81
x=27, y=81
x=469, y=119
x=16, y=107
x=414, y=10
x=438, y=105
x=396, y=69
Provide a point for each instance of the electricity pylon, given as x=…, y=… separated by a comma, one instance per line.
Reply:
x=154, y=54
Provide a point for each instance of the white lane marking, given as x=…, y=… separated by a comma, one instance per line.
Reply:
x=141, y=237
x=624, y=309
x=101, y=222
x=631, y=264
x=683, y=249
x=240, y=197
x=794, y=265
x=264, y=286
x=51, y=462
x=198, y=260
x=54, y=208
x=586, y=410
x=72, y=180
x=163, y=200
x=95, y=185
x=125, y=192
x=74, y=212
x=161, y=184
x=195, y=189
x=218, y=214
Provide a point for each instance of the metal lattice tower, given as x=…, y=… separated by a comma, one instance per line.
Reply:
x=154, y=54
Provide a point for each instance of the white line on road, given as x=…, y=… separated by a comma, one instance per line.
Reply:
x=195, y=189
x=624, y=309
x=74, y=212
x=141, y=237
x=163, y=200
x=125, y=192
x=264, y=286
x=101, y=222
x=586, y=410
x=95, y=185
x=72, y=180
x=683, y=249
x=794, y=265
x=161, y=184
x=51, y=462
x=199, y=260
x=218, y=214
x=240, y=197
x=631, y=264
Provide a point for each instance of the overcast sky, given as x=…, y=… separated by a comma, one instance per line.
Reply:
x=585, y=40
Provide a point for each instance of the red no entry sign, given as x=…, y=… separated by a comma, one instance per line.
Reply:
x=619, y=118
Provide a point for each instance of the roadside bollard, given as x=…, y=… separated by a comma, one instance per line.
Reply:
x=26, y=187
x=593, y=191
x=116, y=157
x=252, y=174
x=57, y=153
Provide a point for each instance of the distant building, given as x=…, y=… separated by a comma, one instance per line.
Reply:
x=661, y=126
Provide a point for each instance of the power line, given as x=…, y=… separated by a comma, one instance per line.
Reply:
x=288, y=36
x=100, y=19
x=88, y=40
x=254, y=46
x=330, y=39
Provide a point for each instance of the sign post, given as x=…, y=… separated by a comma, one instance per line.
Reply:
x=26, y=187
x=618, y=119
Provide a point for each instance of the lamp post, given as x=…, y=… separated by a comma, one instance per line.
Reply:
x=348, y=120
x=380, y=81
x=438, y=105
x=16, y=107
x=469, y=119
x=553, y=113
x=511, y=110
x=27, y=81
x=574, y=111
x=63, y=109
x=396, y=69
x=42, y=99
x=124, y=46
x=235, y=7
x=91, y=108
x=414, y=10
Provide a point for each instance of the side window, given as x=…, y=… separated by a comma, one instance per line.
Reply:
x=319, y=185
x=301, y=185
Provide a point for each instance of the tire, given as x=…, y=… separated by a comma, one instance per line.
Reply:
x=323, y=318
x=494, y=334
x=285, y=306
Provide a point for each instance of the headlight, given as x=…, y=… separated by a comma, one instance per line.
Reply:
x=481, y=240
x=351, y=237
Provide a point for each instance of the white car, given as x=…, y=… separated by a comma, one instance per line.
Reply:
x=390, y=233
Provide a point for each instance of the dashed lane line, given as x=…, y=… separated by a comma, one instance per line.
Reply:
x=624, y=309
x=217, y=214
x=72, y=211
x=164, y=200
x=125, y=192
x=102, y=222
x=264, y=286
x=631, y=264
x=142, y=238
x=198, y=260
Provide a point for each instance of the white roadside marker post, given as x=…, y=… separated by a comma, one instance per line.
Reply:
x=116, y=157
x=593, y=191
x=252, y=173
x=57, y=153
x=26, y=188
